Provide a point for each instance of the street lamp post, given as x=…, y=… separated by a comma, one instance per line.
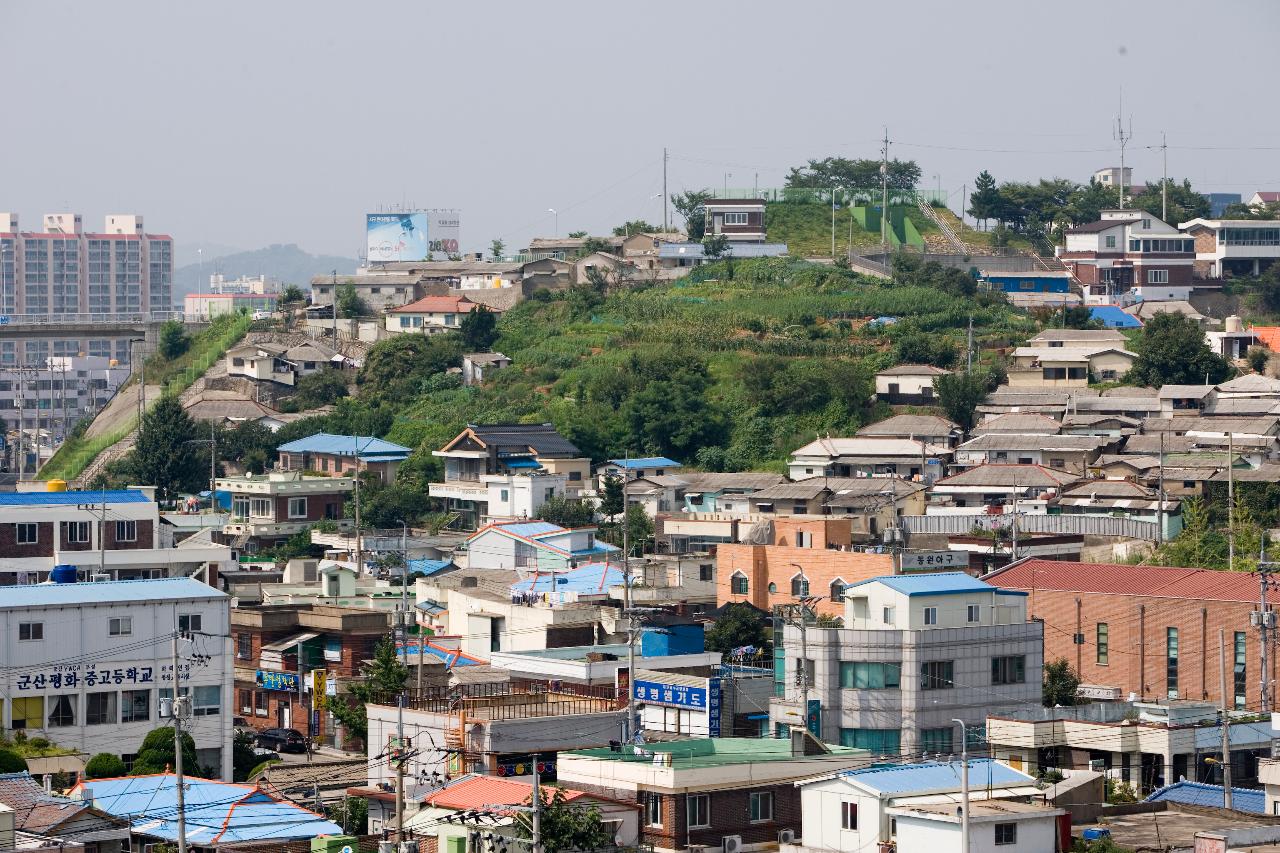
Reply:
x=964, y=785
x=556, y=214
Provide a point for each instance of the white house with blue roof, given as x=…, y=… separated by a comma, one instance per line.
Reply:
x=111, y=533
x=337, y=454
x=86, y=664
x=915, y=807
x=634, y=469
x=532, y=546
x=914, y=653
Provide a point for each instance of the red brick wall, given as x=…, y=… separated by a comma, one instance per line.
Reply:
x=1137, y=628
x=144, y=538
x=66, y=545
x=730, y=812
x=315, y=507
x=43, y=547
x=765, y=564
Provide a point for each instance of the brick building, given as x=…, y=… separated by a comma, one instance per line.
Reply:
x=276, y=646
x=269, y=508
x=1152, y=631
x=765, y=575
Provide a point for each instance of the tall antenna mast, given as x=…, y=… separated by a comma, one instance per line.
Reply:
x=1123, y=138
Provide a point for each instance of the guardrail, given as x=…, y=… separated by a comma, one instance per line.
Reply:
x=1088, y=525
x=72, y=319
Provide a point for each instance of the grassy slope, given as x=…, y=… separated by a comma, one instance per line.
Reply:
x=803, y=312
x=806, y=229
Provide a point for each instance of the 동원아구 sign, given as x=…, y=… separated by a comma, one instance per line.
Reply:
x=934, y=560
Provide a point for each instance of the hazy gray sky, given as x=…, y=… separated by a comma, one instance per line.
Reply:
x=249, y=123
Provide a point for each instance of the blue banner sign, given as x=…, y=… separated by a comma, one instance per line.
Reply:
x=277, y=680
x=675, y=695
x=713, y=708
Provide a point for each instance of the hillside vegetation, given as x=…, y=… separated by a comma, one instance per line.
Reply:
x=806, y=229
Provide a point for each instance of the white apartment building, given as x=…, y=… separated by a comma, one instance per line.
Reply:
x=40, y=530
x=49, y=399
x=85, y=665
x=915, y=652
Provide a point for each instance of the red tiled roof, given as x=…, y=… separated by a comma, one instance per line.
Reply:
x=1124, y=579
x=1268, y=195
x=1269, y=335
x=437, y=305
x=478, y=791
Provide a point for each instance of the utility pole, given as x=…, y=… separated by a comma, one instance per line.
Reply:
x=179, y=711
x=833, y=223
x=334, y=306
x=359, y=540
x=399, y=756
x=1265, y=618
x=1226, y=719
x=1013, y=543
x=631, y=728
x=1164, y=185
x=536, y=841
x=964, y=785
x=664, y=190
x=1231, y=503
x=884, y=192
x=1160, y=495
x=969, y=363
x=1123, y=138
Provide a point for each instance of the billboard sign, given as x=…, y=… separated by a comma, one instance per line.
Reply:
x=916, y=560
x=412, y=236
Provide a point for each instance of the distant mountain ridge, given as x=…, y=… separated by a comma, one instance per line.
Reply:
x=286, y=262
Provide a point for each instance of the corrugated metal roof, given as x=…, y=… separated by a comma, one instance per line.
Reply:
x=111, y=496
x=996, y=474
x=589, y=579
x=907, y=426
x=345, y=445
x=107, y=592
x=937, y=583
x=532, y=529
x=428, y=567
x=1114, y=317
x=215, y=812
x=477, y=792
x=1210, y=796
x=936, y=776
x=1123, y=579
x=646, y=462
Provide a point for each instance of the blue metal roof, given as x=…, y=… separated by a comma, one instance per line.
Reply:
x=1113, y=317
x=522, y=462
x=428, y=567
x=114, y=496
x=453, y=657
x=647, y=462
x=107, y=592
x=593, y=578
x=530, y=529
x=938, y=583
x=372, y=449
x=1200, y=794
x=937, y=776
x=216, y=812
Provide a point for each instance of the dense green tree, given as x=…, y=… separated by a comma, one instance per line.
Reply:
x=611, y=496
x=11, y=762
x=565, y=826
x=1185, y=203
x=292, y=295
x=1060, y=683
x=959, y=394
x=497, y=250
x=315, y=390
x=104, y=765
x=639, y=530
x=479, y=330
x=352, y=814
x=984, y=203
x=853, y=176
x=740, y=625
x=385, y=676
x=671, y=415
x=1267, y=294
x=349, y=303
x=243, y=758
x=395, y=368
x=566, y=512
x=691, y=207
x=1088, y=201
x=1172, y=350
x=156, y=754
x=1258, y=358
x=925, y=348
x=163, y=455
x=174, y=340
x=635, y=226
x=1269, y=210
x=715, y=246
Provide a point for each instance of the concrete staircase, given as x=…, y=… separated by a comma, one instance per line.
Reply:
x=954, y=243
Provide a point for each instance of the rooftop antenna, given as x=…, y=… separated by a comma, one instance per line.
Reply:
x=1123, y=137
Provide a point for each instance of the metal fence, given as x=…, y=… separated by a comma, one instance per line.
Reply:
x=822, y=195
x=1088, y=525
x=73, y=319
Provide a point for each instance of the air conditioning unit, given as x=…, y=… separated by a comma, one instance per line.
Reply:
x=786, y=836
x=731, y=844
x=98, y=577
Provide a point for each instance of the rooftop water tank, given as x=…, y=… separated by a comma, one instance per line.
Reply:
x=63, y=574
x=1232, y=324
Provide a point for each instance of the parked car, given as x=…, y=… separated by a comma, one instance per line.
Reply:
x=281, y=740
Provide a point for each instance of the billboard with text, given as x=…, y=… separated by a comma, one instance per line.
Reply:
x=414, y=236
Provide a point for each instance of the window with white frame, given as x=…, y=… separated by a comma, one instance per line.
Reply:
x=206, y=701
x=699, y=811
x=889, y=614
x=653, y=809
x=30, y=630
x=931, y=616
x=1111, y=241
x=188, y=622
x=973, y=613
x=135, y=706
x=297, y=507
x=761, y=806
x=848, y=815
x=77, y=532
x=260, y=507
x=27, y=533
x=735, y=218
x=120, y=626
x=1006, y=833
x=1157, y=276
x=126, y=531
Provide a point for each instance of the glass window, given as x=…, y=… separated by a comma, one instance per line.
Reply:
x=739, y=218
x=244, y=646
x=189, y=622
x=1009, y=669
x=878, y=741
x=837, y=590
x=1007, y=833
x=62, y=711
x=699, y=810
x=206, y=701
x=1157, y=276
x=28, y=712
x=931, y=616
x=973, y=613
x=936, y=740
x=866, y=675
x=1239, y=671
x=738, y=584
x=761, y=806
x=937, y=675
x=120, y=626
x=126, y=531
x=1171, y=661
x=653, y=809
x=799, y=586
x=100, y=709
x=77, y=532
x=135, y=706
x=297, y=507
x=1104, y=643
x=1111, y=241
x=30, y=630
x=848, y=815
x=889, y=615
x=27, y=533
